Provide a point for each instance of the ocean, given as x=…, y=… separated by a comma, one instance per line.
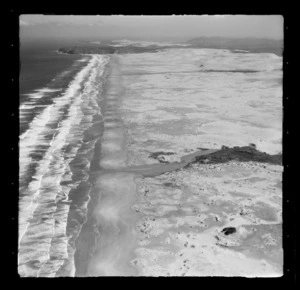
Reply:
x=58, y=105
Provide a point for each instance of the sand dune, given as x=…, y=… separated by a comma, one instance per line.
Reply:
x=161, y=211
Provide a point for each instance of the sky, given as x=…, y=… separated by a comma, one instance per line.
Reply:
x=150, y=27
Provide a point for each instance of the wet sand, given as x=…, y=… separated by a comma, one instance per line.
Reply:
x=116, y=226
x=114, y=193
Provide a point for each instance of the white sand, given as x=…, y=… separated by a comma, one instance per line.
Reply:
x=190, y=228
x=172, y=224
x=172, y=105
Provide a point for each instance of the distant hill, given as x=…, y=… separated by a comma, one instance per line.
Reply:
x=255, y=45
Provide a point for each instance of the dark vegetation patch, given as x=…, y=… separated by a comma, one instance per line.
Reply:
x=168, y=184
x=242, y=154
x=228, y=231
x=155, y=155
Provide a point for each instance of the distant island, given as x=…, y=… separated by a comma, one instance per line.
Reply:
x=236, y=45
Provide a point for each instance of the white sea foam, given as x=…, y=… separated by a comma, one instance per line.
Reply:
x=82, y=59
x=45, y=193
x=60, y=75
x=37, y=126
x=39, y=93
x=47, y=90
x=26, y=106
